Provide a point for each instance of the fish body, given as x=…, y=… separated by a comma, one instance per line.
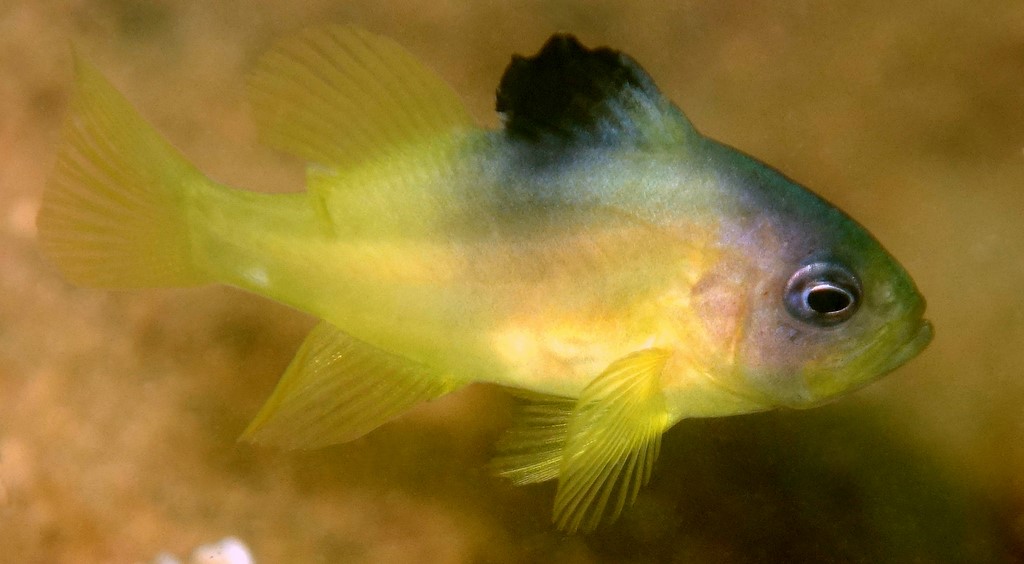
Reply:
x=597, y=254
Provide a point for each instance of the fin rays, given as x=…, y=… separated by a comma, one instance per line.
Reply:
x=337, y=95
x=531, y=451
x=338, y=389
x=601, y=447
x=113, y=214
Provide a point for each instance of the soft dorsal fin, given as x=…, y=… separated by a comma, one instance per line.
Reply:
x=336, y=95
x=569, y=93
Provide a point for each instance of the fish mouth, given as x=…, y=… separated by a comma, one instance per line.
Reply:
x=917, y=342
x=916, y=338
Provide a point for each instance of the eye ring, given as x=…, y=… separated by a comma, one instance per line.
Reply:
x=822, y=293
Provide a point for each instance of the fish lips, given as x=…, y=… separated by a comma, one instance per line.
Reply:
x=920, y=339
x=916, y=335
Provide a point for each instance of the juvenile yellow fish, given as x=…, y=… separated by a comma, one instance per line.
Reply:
x=596, y=253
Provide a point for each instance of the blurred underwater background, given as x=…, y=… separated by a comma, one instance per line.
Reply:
x=119, y=411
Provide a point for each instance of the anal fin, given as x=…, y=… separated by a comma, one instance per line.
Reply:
x=339, y=388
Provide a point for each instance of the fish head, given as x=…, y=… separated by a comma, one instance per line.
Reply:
x=828, y=310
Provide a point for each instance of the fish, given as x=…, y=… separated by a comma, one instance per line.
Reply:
x=596, y=255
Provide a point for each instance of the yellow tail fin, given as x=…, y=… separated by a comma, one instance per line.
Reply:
x=114, y=212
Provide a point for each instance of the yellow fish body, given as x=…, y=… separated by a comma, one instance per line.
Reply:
x=596, y=253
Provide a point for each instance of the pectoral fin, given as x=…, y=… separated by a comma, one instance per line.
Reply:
x=601, y=447
x=339, y=388
x=613, y=439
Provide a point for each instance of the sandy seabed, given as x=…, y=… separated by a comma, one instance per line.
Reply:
x=119, y=412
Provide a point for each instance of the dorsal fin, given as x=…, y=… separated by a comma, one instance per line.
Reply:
x=336, y=95
x=571, y=94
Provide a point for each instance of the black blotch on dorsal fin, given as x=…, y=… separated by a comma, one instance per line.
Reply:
x=571, y=94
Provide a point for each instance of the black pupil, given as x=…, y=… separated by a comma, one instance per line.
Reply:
x=828, y=299
x=823, y=293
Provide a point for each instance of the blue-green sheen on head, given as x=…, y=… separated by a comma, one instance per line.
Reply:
x=830, y=310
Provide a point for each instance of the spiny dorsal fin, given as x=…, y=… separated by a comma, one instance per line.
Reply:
x=569, y=93
x=336, y=95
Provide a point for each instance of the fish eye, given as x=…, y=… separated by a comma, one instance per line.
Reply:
x=822, y=293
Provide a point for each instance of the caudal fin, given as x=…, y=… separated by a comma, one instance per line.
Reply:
x=114, y=213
